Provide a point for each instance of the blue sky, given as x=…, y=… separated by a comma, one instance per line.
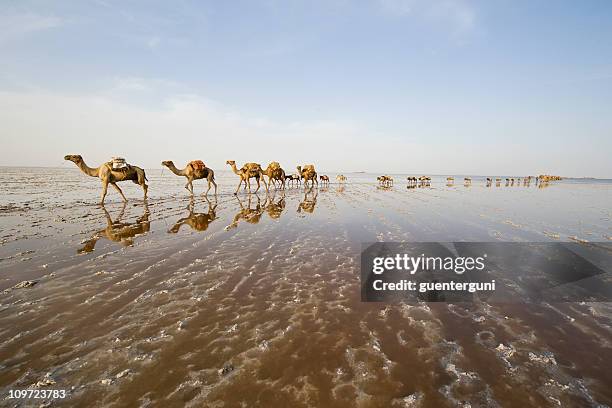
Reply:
x=439, y=86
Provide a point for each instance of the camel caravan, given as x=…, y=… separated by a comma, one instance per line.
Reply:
x=117, y=169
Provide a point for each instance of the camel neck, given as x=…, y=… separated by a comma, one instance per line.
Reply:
x=234, y=168
x=176, y=171
x=93, y=172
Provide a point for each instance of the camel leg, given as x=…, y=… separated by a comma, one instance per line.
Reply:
x=145, y=188
x=119, y=191
x=258, y=185
x=104, y=189
x=238, y=188
x=214, y=184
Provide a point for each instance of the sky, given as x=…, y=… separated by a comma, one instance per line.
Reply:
x=496, y=87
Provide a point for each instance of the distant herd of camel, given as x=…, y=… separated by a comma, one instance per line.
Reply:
x=110, y=173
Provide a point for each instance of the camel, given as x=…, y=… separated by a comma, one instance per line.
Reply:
x=195, y=170
x=308, y=173
x=341, y=178
x=291, y=178
x=412, y=181
x=385, y=181
x=324, y=179
x=275, y=173
x=467, y=180
x=111, y=176
x=118, y=231
x=424, y=181
x=197, y=221
x=246, y=173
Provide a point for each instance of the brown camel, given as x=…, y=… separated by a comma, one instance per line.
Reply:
x=111, y=176
x=118, y=231
x=324, y=179
x=197, y=221
x=195, y=170
x=246, y=173
x=275, y=173
x=308, y=173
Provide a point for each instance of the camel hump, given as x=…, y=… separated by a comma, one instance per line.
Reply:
x=309, y=167
x=274, y=165
x=197, y=164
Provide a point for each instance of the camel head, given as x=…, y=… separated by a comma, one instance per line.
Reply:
x=167, y=163
x=75, y=158
x=230, y=162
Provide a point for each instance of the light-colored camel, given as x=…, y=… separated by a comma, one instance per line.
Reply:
x=341, y=178
x=111, y=176
x=308, y=173
x=246, y=173
x=275, y=173
x=191, y=172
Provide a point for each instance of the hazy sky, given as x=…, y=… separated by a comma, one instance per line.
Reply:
x=425, y=86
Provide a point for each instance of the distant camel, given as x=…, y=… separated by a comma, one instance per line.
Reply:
x=467, y=180
x=291, y=178
x=111, y=176
x=195, y=170
x=197, y=221
x=411, y=180
x=341, y=178
x=386, y=181
x=118, y=231
x=246, y=173
x=324, y=179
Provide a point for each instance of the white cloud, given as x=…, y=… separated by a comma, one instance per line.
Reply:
x=16, y=26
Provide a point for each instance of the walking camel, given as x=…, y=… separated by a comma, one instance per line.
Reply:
x=246, y=173
x=108, y=175
x=275, y=173
x=195, y=170
x=324, y=179
x=308, y=173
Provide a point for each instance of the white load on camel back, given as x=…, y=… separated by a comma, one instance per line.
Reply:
x=119, y=163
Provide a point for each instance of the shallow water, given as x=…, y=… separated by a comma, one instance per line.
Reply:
x=255, y=300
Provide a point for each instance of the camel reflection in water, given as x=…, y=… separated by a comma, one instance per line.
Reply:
x=275, y=208
x=309, y=202
x=118, y=231
x=248, y=214
x=197, y=221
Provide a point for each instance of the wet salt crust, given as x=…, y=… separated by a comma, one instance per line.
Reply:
x=257, y=303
